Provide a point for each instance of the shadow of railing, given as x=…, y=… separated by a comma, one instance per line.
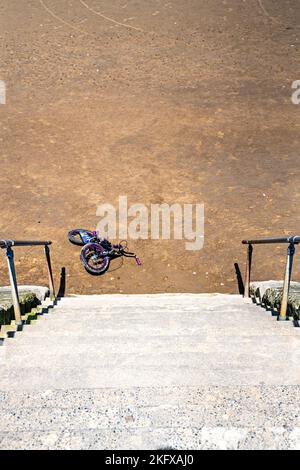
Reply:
x=62, y=285
x=239, y=279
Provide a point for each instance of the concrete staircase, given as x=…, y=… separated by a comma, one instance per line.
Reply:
x=178, y=371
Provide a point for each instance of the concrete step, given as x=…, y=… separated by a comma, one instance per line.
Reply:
x=112, y=310
x=204, y=438
x=254, y=400
x=248, y=357
x=143, y=324
x=168, y=300
x=154, y=418
x=142, y=298
x=98, y=329
x=44, y=378
x=134, y=309
x=33, y=333
x=146, y=344
x=179, y=371
x=162, y=305
x=98, y=321
x=246, y=311
x=138, y=417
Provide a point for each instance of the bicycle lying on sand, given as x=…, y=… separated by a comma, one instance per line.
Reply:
x=97, y=252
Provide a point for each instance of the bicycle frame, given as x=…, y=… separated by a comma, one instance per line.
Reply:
x=117, y=250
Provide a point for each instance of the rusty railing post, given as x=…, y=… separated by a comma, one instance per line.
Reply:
x=248, y=271
x=13, y=283
x=50, y=275
x=287, y=282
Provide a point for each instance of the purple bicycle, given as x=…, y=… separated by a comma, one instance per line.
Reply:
x=97, y=253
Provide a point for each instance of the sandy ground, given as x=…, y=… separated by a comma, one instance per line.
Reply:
x=162, y=101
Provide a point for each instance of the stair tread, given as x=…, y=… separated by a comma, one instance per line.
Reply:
x=160, y=369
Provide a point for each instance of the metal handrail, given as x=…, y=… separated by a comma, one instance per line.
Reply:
x=5, y=243
x=8, y=244
x=261, y=241
x=292, y=241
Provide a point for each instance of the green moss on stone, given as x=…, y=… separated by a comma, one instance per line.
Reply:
x=28, y=301
x=272, y=299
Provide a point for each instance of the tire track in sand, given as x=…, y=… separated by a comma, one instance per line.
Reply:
x=61, y=20
x=111, y=19
x=267, y=14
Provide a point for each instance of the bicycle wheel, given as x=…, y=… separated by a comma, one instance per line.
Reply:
x=93, y=259
x=75, y=238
